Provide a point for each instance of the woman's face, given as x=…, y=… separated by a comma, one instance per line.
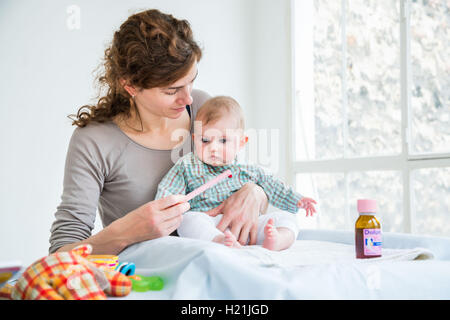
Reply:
x=170, y=101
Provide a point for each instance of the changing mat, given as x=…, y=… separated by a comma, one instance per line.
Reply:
x=313, y=252
x=310, y=269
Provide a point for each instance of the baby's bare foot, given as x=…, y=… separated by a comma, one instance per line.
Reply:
x=271, y=236
x=230, y=240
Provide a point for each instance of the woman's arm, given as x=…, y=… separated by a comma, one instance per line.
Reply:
x=107, y=241
x=82, y=185
x=154, y=219
x=84, y=177
x=241, y=211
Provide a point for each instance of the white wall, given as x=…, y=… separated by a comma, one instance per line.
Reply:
x=271, y=81
x=46, y=74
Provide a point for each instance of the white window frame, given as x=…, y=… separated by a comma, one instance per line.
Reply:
x=405, y=162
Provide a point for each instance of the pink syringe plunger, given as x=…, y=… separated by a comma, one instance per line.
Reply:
x=209, y=184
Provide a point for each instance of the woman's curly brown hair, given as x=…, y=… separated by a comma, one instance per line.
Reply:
x=151, y=49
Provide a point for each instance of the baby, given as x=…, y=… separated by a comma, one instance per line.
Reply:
x=216, y=148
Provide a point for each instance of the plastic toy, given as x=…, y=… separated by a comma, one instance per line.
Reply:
x=126, y=268
x=8, y=270
x=110, y=261
x=143, y=284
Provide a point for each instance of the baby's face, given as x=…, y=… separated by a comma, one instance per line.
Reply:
x=219, y=142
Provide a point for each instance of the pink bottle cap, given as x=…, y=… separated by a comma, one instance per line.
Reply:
x=367, y=205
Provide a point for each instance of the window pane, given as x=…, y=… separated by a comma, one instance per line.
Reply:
x=430, y=62
x=386, y=188
x=327, y=79
x=328, y=189
x=431, y=201
x=373, y=77
x=355, y=83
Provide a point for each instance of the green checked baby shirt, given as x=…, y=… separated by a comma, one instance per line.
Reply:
x=189, y=173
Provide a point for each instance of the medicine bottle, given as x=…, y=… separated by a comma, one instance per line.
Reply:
x=367, y=230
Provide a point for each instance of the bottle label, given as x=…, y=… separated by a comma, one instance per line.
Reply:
x=372, y=242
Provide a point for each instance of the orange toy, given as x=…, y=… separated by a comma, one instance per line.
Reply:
x=67, y=276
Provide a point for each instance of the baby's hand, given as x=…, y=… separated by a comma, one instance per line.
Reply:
x=307, y=204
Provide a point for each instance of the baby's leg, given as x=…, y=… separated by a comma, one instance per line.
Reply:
x=198, y=225
x=277, y=230
x=277, y=239
x=228, y=239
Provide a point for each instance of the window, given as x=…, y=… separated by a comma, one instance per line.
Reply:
x=371, y=116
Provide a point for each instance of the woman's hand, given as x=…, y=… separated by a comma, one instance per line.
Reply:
x=241, y=211
x=154, y=219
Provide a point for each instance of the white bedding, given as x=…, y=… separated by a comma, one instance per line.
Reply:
x=412, y=267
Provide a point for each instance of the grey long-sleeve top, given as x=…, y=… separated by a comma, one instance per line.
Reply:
x=108, y=171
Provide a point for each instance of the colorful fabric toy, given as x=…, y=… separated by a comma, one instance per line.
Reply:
x=67, y=276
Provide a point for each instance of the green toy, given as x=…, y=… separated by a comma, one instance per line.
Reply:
x=143, y=283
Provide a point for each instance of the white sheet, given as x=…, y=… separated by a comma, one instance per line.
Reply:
x=314, y=252
x=313, y=269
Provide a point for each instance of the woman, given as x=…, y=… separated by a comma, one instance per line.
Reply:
x=124, y=145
